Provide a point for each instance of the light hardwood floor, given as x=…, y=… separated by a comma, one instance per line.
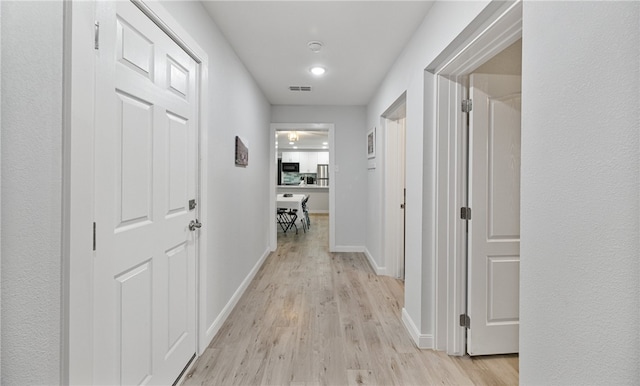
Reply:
x=311, y=317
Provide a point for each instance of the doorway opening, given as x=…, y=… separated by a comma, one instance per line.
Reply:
x=496, y=29
x=394, y=123
x=302, y=163
x=493, y=191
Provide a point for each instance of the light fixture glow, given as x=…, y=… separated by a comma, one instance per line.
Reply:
x=325, y=143
x=324, y=147
x=291, y=143
x=317, y=70
x=293, y=136
x=295, y=147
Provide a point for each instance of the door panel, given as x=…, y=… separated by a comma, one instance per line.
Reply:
x=503, y=289
x=134, y=295
x=134, y=50
x=177, y=156
x=504, y=168
x=146, y=163
x=494, y=231
x=135, y=168
x=178, y=279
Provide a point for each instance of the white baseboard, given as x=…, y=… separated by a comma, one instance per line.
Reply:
x=378, y=270
x=348, y=248
x=213, y=329
x=423, y=341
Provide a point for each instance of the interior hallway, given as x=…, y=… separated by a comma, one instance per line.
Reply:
x=311, y=317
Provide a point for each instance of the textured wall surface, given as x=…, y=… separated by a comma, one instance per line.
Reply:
x=31, y=191
x=0, y=195
x=579, y=294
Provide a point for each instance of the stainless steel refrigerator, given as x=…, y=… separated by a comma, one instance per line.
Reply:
x=322, y=178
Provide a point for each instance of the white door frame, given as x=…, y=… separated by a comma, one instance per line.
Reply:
x=273, y=155
x=497, y=27
x=391, y=222
x=78, y=174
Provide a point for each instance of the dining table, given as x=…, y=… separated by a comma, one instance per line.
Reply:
x=291, y=201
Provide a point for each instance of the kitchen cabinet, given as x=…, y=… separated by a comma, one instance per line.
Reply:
x=323, y=157
x=290, y=156
x=308, y=162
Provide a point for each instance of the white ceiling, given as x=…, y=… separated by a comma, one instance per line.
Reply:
x=307, y=140
x=361, y=41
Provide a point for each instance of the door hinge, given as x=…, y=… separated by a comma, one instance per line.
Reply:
x=94, y=236
x=96, y=35
x=465, y=321
x=465, y=213
x=467, y=105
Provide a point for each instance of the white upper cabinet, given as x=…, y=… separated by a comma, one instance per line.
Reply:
x=323, y=157
x=308, y=162
x=291, y=156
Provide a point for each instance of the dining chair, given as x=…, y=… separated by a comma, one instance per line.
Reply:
x=306, y=211
x=287, y=218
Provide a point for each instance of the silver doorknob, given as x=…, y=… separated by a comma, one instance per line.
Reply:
x=193, y=225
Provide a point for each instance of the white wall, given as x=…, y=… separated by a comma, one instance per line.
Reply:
x=580, y=271
x=31, y=191
x=349, y=157
x=239, y=215
x=442, y=24
x=0, y=196
x=579, y=295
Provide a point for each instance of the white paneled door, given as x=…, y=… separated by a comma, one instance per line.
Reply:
x=494, y=231
x=145, y=174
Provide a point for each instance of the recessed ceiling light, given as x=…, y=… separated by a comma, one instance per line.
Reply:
x=325, y=143
x=295, y=147
x=317, y=70
x=290, y=143
x=315, y=46
x=324, y=147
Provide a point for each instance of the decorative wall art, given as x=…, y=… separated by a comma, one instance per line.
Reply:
x=242, y=153
x=371, y=143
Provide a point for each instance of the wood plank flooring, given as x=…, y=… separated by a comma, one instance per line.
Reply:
x=311, y=317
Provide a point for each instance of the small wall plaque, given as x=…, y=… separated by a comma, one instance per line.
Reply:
x=371, y=143
x=242, y=153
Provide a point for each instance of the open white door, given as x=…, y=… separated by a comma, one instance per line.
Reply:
x=395, y=196
x=144, y=292
x=494, y=230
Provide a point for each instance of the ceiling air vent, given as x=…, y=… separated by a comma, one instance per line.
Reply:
x=299, y=88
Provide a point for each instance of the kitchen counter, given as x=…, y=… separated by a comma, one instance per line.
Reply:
x=302, y=187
